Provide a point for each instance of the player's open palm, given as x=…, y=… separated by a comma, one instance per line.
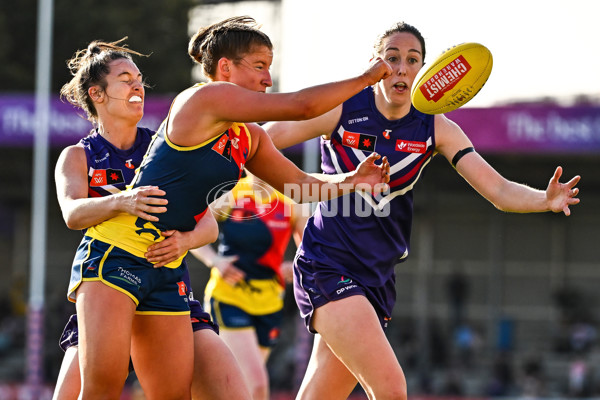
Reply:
x=562, y=195
x=372, y=177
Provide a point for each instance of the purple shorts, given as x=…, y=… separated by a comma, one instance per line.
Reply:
x=316, y=285
x=200, y=320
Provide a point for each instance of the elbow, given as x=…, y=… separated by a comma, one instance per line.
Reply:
x=73, y=223
x=214, y=235
x=499, y=207
x=307, y=109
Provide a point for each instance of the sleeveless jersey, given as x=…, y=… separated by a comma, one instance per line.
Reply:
x=257, y=230
x=189, y=176
x=359, y=235
x=110, y=169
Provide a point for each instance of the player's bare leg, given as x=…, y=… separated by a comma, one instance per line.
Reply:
x=104, y=340
x=325, y=375
x=68, y=384
x=164, y=374
x=251, y=358
x=217, y=375
x=371, y=360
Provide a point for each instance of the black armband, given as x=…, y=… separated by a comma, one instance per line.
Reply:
x=459, y=154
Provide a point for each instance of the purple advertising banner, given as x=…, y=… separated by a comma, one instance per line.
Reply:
x=531, y=129
x=67, y=123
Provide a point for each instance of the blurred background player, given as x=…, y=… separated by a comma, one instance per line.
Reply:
x=247, y=282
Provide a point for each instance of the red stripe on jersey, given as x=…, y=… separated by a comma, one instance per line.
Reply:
x=409, y=175
x=343, y=155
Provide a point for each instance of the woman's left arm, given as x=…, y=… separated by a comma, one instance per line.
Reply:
x=504, y=194
x=177, y=243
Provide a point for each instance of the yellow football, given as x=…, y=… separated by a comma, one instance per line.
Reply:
x=453, y=79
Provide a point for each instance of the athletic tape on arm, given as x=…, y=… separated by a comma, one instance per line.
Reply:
x=460, y=154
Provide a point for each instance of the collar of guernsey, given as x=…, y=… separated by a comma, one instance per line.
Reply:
x=134, y=235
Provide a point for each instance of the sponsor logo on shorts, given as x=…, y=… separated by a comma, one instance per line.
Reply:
x=344, y=281
x=274, y=333
x=182, y=288
x=127, y=276
x=342, y=290
x=386, y=321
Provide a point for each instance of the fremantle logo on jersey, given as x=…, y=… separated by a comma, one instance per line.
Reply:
x=360, y=141
x=103, y=177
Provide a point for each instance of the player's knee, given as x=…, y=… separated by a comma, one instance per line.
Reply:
x=99, y=392
x=391, y=392
x=260, y=389
x=102, y=384
x=260, y=393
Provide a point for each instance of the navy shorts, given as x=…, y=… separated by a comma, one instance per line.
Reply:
x=157, y=291
x=316, y=285
x=267, y=327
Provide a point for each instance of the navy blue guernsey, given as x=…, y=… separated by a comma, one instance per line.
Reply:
x=188, y=175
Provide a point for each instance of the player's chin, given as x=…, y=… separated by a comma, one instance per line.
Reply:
x=400, y=95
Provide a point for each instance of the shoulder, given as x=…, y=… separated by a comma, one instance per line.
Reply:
x=76, y=150
x=449, y=136
x=445, y=126
x=72, y=156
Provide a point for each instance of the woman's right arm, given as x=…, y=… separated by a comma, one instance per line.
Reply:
x=80, y=211
x=288, y=133
x=222, y=103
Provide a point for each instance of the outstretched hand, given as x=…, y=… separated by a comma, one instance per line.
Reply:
x=562, y=195
x=372, y=177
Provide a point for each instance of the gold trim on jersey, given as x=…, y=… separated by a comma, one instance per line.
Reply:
x=122, y=232
x=255, y=296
